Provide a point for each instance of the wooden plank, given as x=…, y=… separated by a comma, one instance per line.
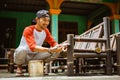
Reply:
x=112, y=41
x=102, y=40
x=77, y=66
x=77, y=44
x=89, y=55
x=59, y=67
x=82, y=45
x=87, y=51
x=118, y=54
x=70, y=71
x=96, y=33
x=107, y=36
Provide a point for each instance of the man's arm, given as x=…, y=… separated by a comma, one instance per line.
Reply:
x=50, y=39
x=41, y=49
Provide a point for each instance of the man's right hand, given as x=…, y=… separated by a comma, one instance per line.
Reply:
x=56, y=49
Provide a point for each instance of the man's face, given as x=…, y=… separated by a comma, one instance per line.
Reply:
x=43, y=22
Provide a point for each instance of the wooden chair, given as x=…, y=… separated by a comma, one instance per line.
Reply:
x=95, y=32
x=57, y=64
x=7, y=60
x=100, y=35
x=92, y=33
x=114, y=43
x=3, y=59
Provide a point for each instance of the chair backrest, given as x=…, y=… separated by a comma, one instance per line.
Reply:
x=82, y=45
x=113, y=40
x=94, y=32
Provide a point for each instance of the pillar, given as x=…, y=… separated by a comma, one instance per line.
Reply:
x=54, y=11
x=115, y=23
x=54, y=22
x=115, y=17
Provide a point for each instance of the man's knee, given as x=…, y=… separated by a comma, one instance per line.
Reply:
x=20, y=55
x=21, y=52
x=55, y=55
x=51, y=58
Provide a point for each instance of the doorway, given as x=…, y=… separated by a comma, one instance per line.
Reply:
x=7, y=34
x=67, y=28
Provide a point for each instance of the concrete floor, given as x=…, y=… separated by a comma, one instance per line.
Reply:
x=5, y=75
x=65, y=78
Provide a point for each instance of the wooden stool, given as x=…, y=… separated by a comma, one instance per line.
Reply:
x=36, y=68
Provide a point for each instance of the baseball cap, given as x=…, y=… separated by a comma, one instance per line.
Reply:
x=42, y=13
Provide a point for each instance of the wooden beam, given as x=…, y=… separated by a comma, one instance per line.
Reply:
x=107, y=36
x=118, y=54
x=70, y=63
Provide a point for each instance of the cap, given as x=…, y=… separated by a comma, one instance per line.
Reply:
x=42, y=13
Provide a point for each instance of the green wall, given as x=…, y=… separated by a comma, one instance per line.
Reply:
x=23, y=19
x=81, y=20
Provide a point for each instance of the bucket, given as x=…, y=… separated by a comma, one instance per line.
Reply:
x=36, y=68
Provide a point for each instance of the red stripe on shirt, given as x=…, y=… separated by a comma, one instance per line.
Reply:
x=49, y=38
x=28, y=34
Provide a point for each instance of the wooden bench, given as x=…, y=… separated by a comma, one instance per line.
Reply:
x=8, y=60
x=3, y=59
x=95, y=32
x=99, y=65
x=98, y=35
x=115, y=43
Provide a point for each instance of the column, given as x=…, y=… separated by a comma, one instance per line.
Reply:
x=115, y=23
x=54, y=22
x=54, y=11
x=115, y=17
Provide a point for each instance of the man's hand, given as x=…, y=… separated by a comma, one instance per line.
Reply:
x=56, y=49
x=59, y=48
x=65, y=46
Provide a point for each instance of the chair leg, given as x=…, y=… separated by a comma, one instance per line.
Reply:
x=11, y=61
x=26, y=67
x=47, y=68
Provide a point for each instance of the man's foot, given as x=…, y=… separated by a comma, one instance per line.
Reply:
x=19, y=72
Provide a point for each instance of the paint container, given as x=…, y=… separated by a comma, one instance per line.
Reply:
x=36, y=68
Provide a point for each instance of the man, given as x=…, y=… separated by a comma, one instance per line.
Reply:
x=31, y=43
